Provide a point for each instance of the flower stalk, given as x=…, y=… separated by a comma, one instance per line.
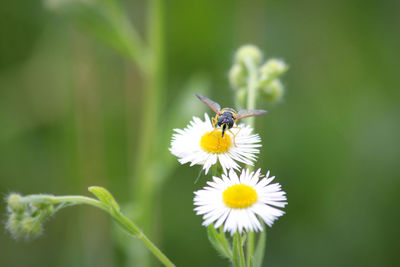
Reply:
x=238, y=254
x=252, y=80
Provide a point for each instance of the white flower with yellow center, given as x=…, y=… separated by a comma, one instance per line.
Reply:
x=237, y=202
x=200, y=143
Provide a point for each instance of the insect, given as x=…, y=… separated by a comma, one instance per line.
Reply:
x=227, y=117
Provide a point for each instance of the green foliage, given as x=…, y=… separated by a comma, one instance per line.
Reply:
x=105, y=20
x=219, y=241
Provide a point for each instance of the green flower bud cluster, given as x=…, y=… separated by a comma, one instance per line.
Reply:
x=238, y=74
x=25, y=218
x=269, y=86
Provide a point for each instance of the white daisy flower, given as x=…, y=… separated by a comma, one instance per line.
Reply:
x=200, y=143
x=239, y=202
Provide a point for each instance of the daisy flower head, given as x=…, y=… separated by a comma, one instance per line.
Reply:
x=239, y=202
x=200, y=143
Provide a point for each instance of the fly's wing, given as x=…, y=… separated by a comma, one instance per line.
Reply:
x=211, y=104
x=244, y=113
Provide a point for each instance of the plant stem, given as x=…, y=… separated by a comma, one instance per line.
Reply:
x=156, y=251
x=121, y=219
x=250, y=249
x=145, y=183
x=144, y=180
x=132, y=45
x=252, y=81
x=239, y=259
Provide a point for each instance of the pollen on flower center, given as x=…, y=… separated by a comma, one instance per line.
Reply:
x=213, y=142
x=239, y=196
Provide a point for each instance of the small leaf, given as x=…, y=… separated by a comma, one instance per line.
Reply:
x=219, y=242
x=224, y=241
x=104, y=196
x=260, y=248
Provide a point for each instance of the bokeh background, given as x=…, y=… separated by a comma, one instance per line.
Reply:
x=70, y=108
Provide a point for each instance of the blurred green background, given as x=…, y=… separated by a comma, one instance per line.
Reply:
x=70, y=108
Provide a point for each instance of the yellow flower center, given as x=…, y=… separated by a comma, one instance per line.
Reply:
x=239, y=196
x=213, y=142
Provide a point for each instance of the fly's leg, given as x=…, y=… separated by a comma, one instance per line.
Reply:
x=214, y=121
x=234, y=135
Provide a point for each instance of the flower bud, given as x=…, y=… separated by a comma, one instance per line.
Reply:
x=248, y=51
x=237, y=76
x=14, y=225
x=15, y=204
x=273, y=91
x=32, y=227
x=272, y=69
x=45, y=208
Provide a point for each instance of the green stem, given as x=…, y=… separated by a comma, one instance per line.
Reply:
x=252, y=81
x=214, y=170
x=146, y=183
x=121, y=219
x=132, y=45
x=238, y=257
x=69, y=200
x=144, y=178
x=241, y=252
x=250, y=249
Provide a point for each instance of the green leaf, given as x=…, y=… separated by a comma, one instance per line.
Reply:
x=224, y=241
x=260, y=248
x=105, y=197
x=219, y=242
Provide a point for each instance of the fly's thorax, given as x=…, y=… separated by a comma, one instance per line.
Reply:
x=226, y=119
x=230, y=111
